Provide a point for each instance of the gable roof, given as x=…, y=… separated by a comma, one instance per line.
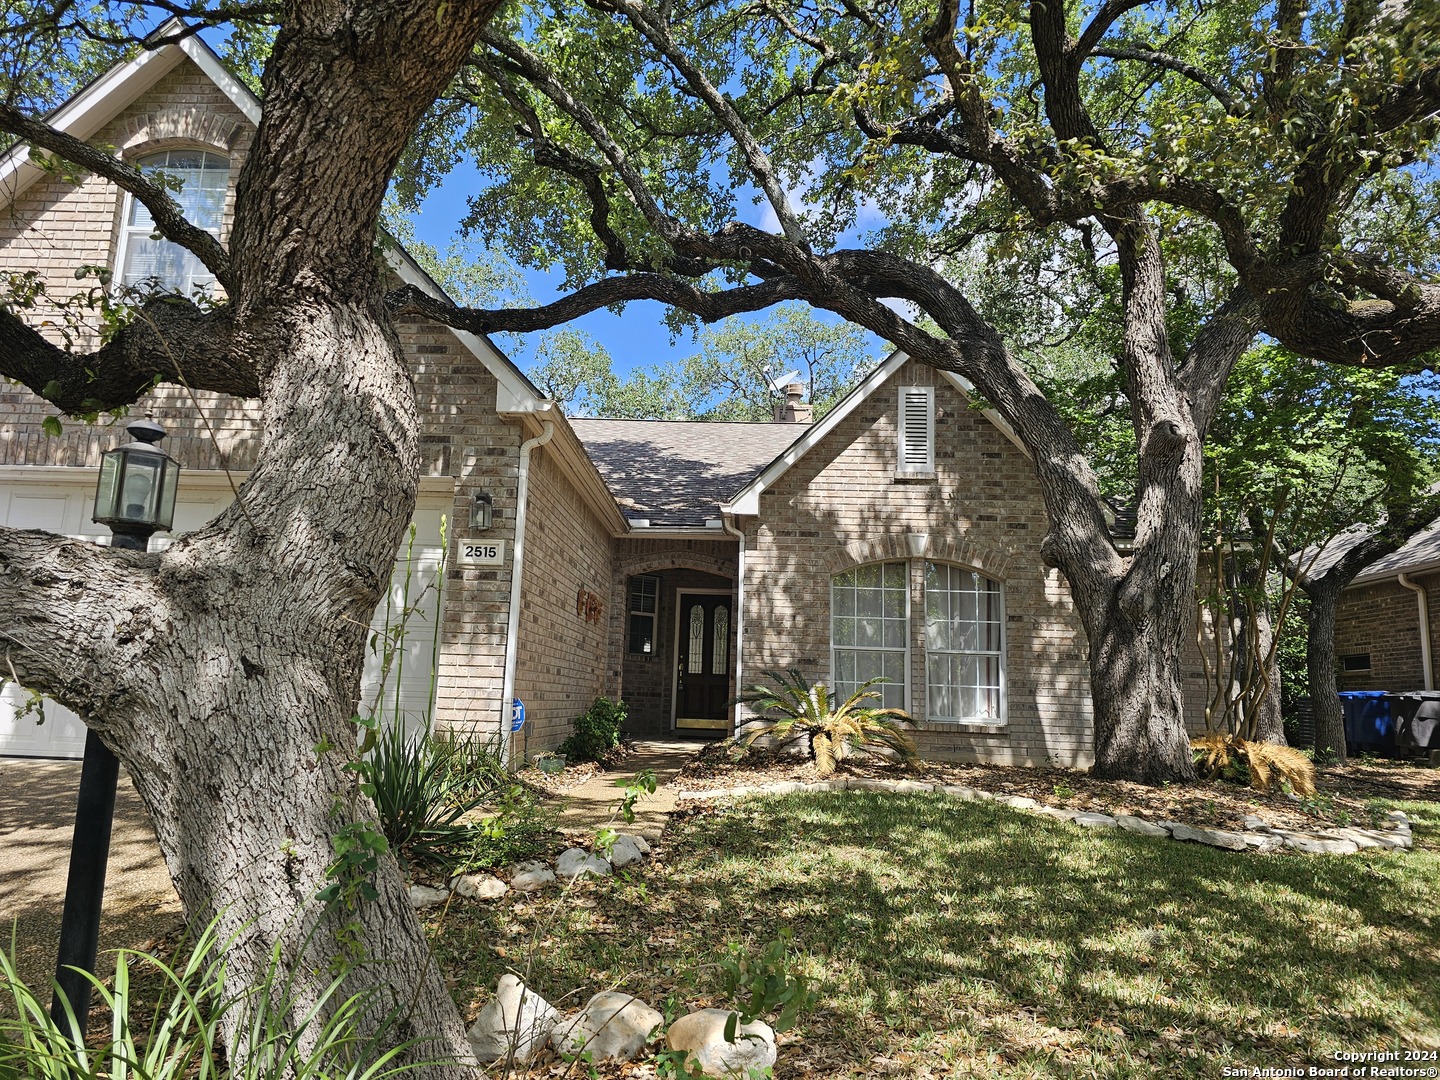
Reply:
x=107, y=96
x=747, y=500
x=677, y=473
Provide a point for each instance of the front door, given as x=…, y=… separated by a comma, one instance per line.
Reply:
x=702, y=683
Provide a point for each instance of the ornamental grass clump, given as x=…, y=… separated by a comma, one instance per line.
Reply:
x=835, y=727
x=1263, y=765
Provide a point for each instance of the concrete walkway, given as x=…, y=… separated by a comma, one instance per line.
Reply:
x=593, y=804
x=37, y=818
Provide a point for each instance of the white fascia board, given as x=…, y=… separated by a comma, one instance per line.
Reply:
x=90, y=110
x=1391, y=575
x=206, y=60
x=678, y=532
x=966, y=387
x=513, y=392
x=747, y=501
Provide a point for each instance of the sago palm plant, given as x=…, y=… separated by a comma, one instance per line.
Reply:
x=835, y=726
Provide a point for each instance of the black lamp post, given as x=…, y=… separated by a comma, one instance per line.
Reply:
x=135, y=497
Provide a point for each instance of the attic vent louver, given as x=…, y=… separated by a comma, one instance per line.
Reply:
x=916, y=452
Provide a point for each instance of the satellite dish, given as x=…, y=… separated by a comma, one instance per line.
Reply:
x=779, y=385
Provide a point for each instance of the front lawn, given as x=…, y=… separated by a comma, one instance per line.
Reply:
x=966, y=939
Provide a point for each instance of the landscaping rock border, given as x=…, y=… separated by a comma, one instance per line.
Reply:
x=1257, y=836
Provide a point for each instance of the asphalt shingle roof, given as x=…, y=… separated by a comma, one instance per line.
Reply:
x=678, y=472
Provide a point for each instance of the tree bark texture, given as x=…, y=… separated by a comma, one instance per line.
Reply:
x=225, y=672
x=1320, y=670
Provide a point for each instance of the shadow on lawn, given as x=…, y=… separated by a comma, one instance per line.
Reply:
x=913, y=900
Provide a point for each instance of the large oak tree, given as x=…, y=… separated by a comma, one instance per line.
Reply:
x=617, y=135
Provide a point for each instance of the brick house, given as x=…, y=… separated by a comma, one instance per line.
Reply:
x=1386, y=623
x=665, y=563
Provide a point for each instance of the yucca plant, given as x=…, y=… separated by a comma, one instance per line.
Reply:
x=835, y=726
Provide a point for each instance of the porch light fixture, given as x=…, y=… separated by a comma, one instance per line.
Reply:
x=135, y=495
x=484, y=515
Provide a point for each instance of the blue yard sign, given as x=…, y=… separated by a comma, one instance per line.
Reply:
x=517, y=715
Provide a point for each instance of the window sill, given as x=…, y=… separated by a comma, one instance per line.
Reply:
x=964, y=727
x=901, y=478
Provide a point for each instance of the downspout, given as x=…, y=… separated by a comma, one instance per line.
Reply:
x=726, y=521
x=1422, y=601
x=517, y=564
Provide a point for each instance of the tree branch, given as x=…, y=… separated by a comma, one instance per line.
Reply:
x=1175, y=64
x=165, y=211
x=169, y=340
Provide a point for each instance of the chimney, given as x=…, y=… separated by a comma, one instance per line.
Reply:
x=794, y=411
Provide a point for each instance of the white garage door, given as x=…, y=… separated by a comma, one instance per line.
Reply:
x=403, y=636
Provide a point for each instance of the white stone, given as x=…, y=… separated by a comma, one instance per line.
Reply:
x=422, y=896
x=1019, y=802
x=1397, y=815
x=480, y=887
x=641, y=844
x=1231, y=841
x=574, y=863
x=1096, y=821
x=702, y=1036
x=611, y=1027
x=1058, y=812
x=1131, y=823
x=966, y=794
x=516, y=1022
x=911, y=785
x=625, y=851
x=866, y=784
x=1262, y=841
x=529, y=876
x=1359, y=837
x=1319, y=845
x=783, y=787
x=1253, y=823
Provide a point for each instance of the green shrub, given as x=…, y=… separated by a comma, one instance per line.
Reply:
x=449, y=801
x=597, y=731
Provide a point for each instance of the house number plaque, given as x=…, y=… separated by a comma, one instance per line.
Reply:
x=481, y=552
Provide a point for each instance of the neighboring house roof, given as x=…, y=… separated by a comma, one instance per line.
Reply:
x=677, y=473
x=1422, y=553
x=747, y=500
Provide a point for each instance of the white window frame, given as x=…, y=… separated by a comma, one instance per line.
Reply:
x=1000, y=654
x=127, y=207
x=836, y=650
x=915, y=433
x=653, y=614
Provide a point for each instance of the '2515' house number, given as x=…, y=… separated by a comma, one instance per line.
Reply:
x=481, y=552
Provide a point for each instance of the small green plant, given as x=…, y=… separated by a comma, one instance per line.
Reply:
x=835, y=727
x=335, y=1038
x=1062, y=790
x=597, y=731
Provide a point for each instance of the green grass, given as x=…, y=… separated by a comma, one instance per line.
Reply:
x=960, y=939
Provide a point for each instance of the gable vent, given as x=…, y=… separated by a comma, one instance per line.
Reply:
x=916, y=457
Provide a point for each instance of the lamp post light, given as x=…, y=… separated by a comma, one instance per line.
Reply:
x=135, y=496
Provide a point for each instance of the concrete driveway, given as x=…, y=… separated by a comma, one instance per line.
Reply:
x=37, y=814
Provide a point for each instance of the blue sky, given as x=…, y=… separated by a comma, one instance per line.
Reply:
x=637, y=336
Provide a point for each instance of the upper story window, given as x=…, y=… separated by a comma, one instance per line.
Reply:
x=145, y=257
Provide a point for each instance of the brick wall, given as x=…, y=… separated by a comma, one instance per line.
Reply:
x=562, y=654
x=54, y=227
x=1382, y=619
x=840, y=505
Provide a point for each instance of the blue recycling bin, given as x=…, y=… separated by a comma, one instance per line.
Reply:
x=1369, y=722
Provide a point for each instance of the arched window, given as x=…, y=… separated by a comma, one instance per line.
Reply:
x=869, y=629
x=145, y=257
x=964, y=645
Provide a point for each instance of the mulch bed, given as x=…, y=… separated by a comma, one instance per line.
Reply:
x=1342, y=793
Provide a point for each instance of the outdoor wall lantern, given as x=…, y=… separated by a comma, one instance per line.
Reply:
x=135, y=496
x=484, y=515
